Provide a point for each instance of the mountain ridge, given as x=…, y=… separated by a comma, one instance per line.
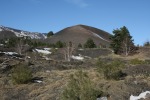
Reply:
x=4, y=31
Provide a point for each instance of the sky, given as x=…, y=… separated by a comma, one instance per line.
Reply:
x=54, y=15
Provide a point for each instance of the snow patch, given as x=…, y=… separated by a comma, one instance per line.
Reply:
x=99, y=36
x=10, y=53
x=47, y=49
x=77, y=57
x=142, y=95
x=1, y=44
x=1, y=29
x=43, y=51
x=20, y=33
x=38, y=81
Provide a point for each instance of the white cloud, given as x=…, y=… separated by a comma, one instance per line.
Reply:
x=80, y=3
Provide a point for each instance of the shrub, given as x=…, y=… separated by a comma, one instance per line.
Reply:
x=137, y=62
x=111, y=70
x=21, y=74
x=80, y=88
x=147, y=61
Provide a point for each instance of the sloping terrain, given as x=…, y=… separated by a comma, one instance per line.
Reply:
x=80, y=33
x=55, y=74
x=6, y=32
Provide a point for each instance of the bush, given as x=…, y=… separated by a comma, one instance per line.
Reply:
x=111, y=70
x=21, y=74
x=137, y=62
x=80, y=88
x=147, y=61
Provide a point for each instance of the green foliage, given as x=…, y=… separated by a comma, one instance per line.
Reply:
x=137, y=62
x=59, y=44
x=122, y=42
x=36, y=43
x=89, y=44
x=111, y=70
x=21, y=74
x=80, y=88
x=49, y=34
x=147, y=61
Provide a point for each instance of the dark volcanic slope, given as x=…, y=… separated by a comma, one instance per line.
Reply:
x=80, y=33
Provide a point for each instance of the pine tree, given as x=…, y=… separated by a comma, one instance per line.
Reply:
x=147, y=43
x=49, y=34
x=59, y=44
x=122, y=42
x=90, y=44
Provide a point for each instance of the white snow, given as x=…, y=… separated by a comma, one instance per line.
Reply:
x=142, y=95
x=28, y=57
x=32, y=35
x=44, y=36
x=1, y=44
x=47, y=49
x=10, y=53
x=38, y=81
x=43, y=51
x=99, y=36
x=1, y=30
x=77, y=57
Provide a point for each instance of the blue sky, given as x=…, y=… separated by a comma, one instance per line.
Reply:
x=54, y=15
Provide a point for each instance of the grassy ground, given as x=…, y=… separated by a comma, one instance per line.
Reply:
x=56, y=79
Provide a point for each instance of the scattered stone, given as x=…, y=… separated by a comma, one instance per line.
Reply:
x=102, y=98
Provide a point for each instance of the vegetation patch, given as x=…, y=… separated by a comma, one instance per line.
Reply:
x=21, y=74
x=80, y=88
x=112, y=70
x=137, y=62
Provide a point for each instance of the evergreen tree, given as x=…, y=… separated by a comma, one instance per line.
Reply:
x=59, y=44
x=146, y=44
x=49, y=34
x=90, y=44
x=122, y=42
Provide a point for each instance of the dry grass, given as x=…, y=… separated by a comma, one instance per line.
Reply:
x=55, y=81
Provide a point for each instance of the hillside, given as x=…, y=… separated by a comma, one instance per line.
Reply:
x=29, y=72
x=80, y=33
x=7, y=32
x=50, y=77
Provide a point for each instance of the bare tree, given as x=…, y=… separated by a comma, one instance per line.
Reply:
x=127, y=45
x=68, y=51
x=20, y=46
